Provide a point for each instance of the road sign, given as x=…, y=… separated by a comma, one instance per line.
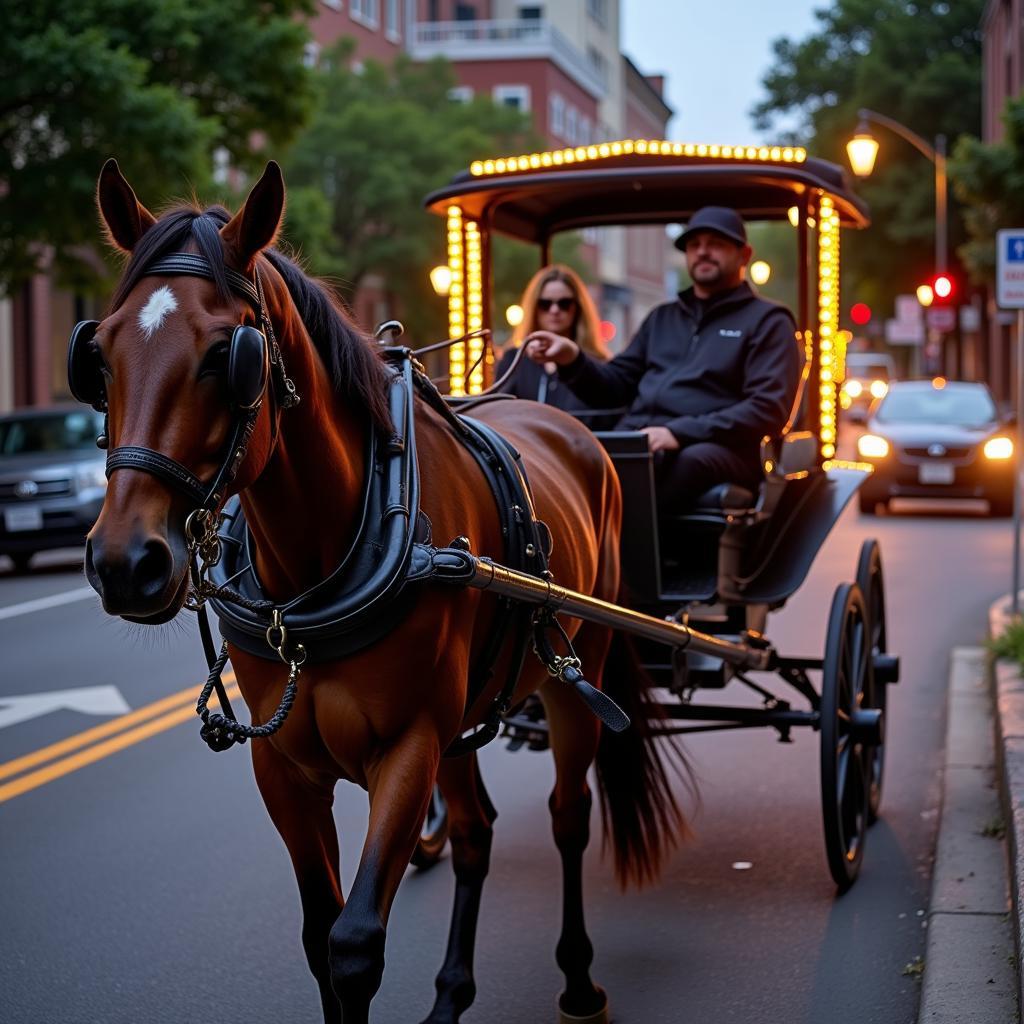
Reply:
x=940, y=318
x=908, y=309
x=1010, y=268
x=970, y=318
x=898, y=332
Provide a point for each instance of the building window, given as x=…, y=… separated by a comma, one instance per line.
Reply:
x=597, y=61
x=532, y=13
x=461, y=94
x=517, y=96
x=556, y=115
x=465, y=12
x=586, y=138
x=365, y=12
x=391, y=20
x=333, y=4
x=598, y=10
x=570, y=126
x=310, y=54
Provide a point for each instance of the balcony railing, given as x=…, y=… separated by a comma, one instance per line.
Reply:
x=496, y=40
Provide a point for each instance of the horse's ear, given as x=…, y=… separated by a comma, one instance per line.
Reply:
x=255, y=226
x=127, y=220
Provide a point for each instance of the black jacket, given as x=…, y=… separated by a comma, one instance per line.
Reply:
x=532, y=381
x=725, y=370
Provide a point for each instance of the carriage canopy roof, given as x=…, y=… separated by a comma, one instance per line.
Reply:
x=534, y=196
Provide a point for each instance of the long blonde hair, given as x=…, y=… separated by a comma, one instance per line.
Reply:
x=586, y=329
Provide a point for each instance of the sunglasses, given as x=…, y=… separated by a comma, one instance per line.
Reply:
x=546, y=305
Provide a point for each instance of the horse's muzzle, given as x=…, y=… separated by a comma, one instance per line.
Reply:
x=138, y=578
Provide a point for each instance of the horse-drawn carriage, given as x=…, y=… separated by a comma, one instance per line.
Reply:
x=268, y=460
x=737, y=555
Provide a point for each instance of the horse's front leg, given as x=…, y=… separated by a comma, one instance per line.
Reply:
x=301, y=811
x=400, y=784
x=471, y=816
x=574, y=739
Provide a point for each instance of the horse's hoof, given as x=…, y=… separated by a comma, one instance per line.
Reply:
x=598, y=1017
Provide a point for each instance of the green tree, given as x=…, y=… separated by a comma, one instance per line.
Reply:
x=918, y=61
x=160, y=85
x=990, y=183
x=383, y=137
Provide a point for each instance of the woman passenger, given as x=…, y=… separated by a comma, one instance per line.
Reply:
x=555, y=302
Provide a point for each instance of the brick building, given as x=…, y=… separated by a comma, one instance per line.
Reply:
x=560, y=62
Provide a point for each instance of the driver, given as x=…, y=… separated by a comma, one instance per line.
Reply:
x=706, y=377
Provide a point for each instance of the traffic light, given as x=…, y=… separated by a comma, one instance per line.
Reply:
x=943, y=288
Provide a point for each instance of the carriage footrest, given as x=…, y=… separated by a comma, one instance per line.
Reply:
x=527, y=726
x=695, y=671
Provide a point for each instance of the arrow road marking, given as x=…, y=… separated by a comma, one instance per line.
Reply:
x=41, y=603
x=89, y=700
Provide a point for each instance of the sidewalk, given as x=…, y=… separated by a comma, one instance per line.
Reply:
x=970, y=974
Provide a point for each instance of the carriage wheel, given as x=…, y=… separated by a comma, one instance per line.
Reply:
x=434, y=835
x=846, y=734
x=872, y=586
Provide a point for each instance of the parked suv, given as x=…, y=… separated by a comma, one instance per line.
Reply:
x=52, y=479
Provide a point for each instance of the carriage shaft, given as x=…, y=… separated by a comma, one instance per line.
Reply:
x=520, y=586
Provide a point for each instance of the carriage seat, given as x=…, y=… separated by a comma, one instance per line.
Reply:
x=724, y=498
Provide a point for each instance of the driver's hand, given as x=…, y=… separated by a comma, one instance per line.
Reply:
x=545, y=347
x=660, y=439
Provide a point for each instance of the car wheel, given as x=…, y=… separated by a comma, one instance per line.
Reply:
x=21, y=560
x=1001, y=507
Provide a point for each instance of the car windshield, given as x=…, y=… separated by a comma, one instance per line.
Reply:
x=962, y=407
x=876, y=371
x=60, y=432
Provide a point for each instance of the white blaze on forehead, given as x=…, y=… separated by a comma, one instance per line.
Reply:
x=159, y=304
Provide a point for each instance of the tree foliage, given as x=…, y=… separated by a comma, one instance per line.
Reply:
x=990, y=183
x=917, y=61
x=382, y=137
x=158, y=85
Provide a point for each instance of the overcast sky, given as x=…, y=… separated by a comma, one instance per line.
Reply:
x=713, y=55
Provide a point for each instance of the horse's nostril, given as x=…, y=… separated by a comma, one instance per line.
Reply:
x=153, y=570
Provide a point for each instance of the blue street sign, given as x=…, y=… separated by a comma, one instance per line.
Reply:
x=1015, y=248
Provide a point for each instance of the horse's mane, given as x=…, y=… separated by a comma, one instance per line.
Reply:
x=356, y=370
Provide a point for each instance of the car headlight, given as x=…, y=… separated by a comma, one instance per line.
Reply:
x=879, y=389
x=90, y=478
x=998, y=448
x=853, y=388
x=871, y=446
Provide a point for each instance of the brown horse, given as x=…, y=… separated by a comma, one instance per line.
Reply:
x=383, y=717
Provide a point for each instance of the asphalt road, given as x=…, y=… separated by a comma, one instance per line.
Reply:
x=148, y=884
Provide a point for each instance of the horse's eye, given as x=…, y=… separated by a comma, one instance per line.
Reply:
x=215, y=361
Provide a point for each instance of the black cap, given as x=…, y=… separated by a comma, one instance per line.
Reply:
x=719, y=219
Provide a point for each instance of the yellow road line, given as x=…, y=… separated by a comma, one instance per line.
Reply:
x=190, y=694
x=95, y=753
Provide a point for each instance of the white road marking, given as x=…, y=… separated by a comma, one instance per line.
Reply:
x=89, y=700
x=42, y=603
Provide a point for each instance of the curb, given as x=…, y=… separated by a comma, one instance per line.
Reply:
x=970, y=967
x=1008, y=693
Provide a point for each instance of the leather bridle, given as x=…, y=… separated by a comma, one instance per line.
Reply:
x=209, y=495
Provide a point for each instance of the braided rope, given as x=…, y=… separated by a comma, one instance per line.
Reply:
x=219, y=731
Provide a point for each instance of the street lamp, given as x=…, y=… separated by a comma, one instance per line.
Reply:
x=441, y=280
x=760, y=272
x=863, y=148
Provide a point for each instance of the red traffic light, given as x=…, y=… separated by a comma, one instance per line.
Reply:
x=942, y=285
x=860, y=313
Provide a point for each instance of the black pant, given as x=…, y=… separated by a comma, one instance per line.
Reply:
x=681, y=477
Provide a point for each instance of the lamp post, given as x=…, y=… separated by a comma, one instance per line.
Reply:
x=863, y=148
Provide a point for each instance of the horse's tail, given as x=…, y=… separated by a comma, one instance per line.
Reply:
x=642, y=819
